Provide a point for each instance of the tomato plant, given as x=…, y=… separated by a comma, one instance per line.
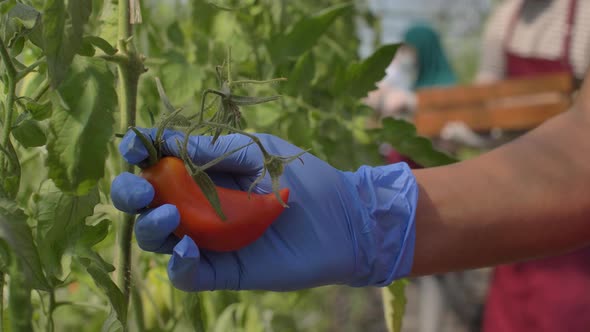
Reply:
x=76, y=74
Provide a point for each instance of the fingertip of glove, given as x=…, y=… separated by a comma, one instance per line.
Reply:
x=186, y=249
x=154, y=229
x=131, y=193
x=131, y=147
x=183, y=268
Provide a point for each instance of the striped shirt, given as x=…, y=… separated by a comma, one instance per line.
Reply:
x=539, y=33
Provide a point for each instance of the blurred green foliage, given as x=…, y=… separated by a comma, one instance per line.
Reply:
x=67, y=136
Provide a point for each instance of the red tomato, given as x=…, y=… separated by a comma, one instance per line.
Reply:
x=246, y=217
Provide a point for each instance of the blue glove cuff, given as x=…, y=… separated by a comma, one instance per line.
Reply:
x=386, y=235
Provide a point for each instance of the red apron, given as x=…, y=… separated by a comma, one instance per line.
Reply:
x=546, y=295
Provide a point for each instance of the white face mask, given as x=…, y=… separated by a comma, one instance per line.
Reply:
x=402, y=72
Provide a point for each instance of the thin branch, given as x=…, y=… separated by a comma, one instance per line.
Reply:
x=2, y=281
x=30, y=68
x=117, y=58
x=10, y=69
x=43, y=88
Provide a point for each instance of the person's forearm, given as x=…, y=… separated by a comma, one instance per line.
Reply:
x=526, y=199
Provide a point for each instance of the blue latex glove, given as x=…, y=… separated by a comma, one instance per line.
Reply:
x=340, y=228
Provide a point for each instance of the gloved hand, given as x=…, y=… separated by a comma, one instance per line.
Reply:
x=340, y=228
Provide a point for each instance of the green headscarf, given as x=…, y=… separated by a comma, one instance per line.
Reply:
x=433, y=67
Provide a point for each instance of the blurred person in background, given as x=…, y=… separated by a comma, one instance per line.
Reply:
x=524, y=38
x=420, y=62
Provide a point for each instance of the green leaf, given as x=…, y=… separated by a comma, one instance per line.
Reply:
x=113, y=293
x=394, y=304
x=299, y=129
x=6, y=6
x=92, y=235
x=360, y=77
x=17, y=234
x=87, y=49
x=209, y=190
x=60, y=223
x=21, y=21
x=62, y=31
x=182, y=81
x=175, y=34
x=102, y=44
x=305, y=33
x=58, y=55
x=38, y=111
x=402, y=136
x=112, y=323
x=203, y=14
x=29, y=134
x=301, y=76
x=81, y=126
x=194, y=312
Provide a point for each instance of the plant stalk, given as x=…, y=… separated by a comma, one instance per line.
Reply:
x=11, y=76
x=129, y=72
x=43, y=88
x=50, y=324
x=2, y=301
x=138, y=309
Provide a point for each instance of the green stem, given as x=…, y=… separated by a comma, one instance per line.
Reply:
x=117, y=58
x=11, y=75
x=43, y=88
x=241, y=132
x=50, y=324
x=138, y=309
x=129, y=73
x=30, y=68
x=282, y=16
x=9, y=107
x=8, y=164
x=229, y=78
x=203, y=101
x=274, y=80
x=124, y=32
x=10, y=69
x=2, y=281
x=152, y=152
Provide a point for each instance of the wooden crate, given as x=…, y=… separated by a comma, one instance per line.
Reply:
x=516, y=104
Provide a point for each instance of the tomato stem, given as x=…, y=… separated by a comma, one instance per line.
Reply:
x=216, y=160
x=273, y=80
x=152, y=152
x=229, y=79
x=225, y=155
x=162, y=128
x=241, y=132
x=204, y=98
